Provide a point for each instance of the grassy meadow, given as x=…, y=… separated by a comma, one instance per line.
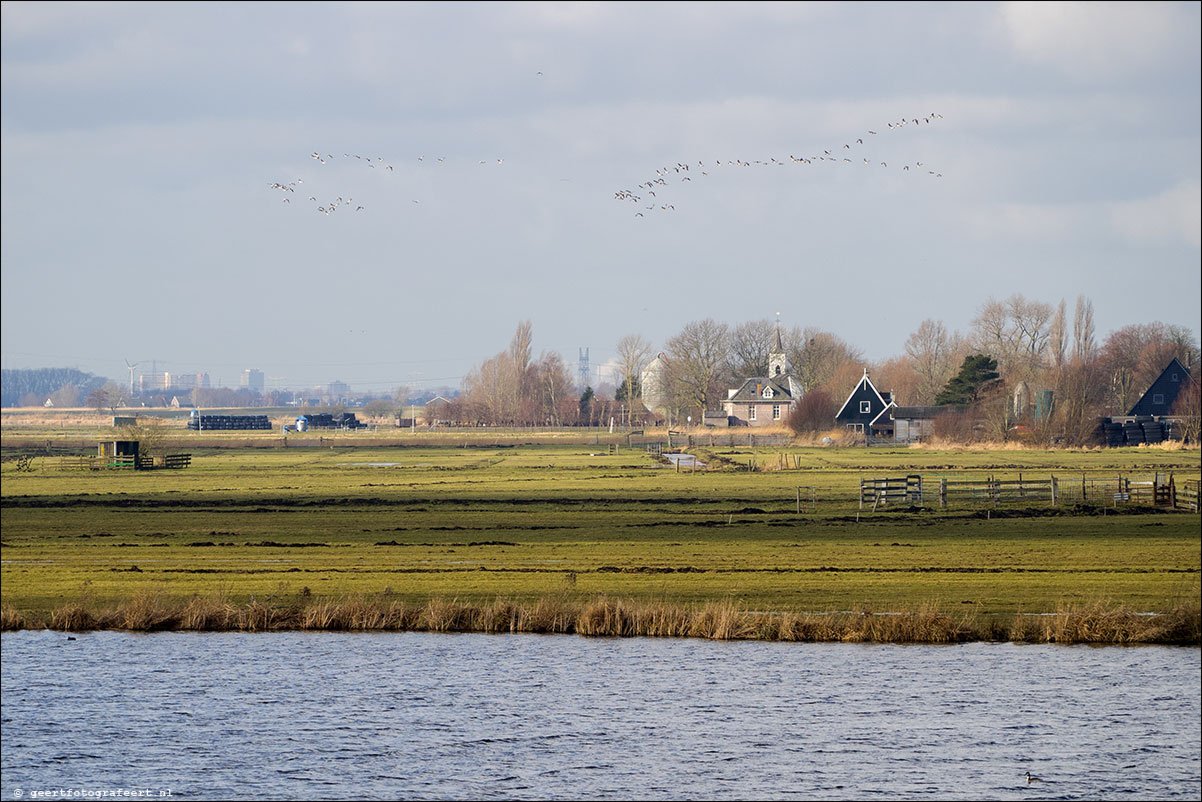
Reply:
x=481, y=534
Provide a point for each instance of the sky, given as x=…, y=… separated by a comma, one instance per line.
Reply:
x=475, y=165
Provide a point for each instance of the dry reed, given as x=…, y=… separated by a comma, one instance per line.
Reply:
x=1097, y=622
x=208, y=614
x=72, y=617
x=146, y=612
x=12, y=619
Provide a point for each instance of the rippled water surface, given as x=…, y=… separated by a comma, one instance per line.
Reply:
x=424, y=716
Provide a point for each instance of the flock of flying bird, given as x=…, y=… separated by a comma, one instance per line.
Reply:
x=645, y=193
x=330, y=206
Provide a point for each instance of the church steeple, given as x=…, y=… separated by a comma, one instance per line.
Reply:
x=778, y=363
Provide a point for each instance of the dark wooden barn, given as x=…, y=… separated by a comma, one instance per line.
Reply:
x=864, y=410
x=1161, y=396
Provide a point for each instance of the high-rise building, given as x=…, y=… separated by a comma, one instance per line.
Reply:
x=252, y=379
x=152, y=382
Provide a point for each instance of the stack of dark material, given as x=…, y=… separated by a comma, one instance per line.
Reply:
x=228, y=422
x=1153, y=431
x=344, y=420
x=1113, y=433
x=1133, y=432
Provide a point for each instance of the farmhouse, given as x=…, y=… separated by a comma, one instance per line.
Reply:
x=1154, y=417
x=866, y=410
x=1160, y=397
x=765, y=400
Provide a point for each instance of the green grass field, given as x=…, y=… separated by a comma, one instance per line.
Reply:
x=477, y=524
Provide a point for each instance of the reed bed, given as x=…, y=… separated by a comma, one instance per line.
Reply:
x=1096, y=622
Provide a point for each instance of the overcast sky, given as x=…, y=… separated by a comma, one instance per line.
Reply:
x=1058, y=142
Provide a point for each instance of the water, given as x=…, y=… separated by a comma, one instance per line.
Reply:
x=426, y=716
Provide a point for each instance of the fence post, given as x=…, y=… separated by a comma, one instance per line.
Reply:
x=1052, y=486
x=861, y=492
x=1172, y=493
x=799, y=500
x=943, y=492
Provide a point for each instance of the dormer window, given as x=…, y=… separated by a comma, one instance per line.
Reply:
x=768, y=392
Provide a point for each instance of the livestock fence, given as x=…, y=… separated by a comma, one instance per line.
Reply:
x=1150, y=490
x=124, y=462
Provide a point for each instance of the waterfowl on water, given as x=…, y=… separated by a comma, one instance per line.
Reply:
x=1031, y=779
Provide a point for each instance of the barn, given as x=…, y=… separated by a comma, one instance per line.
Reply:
x=866, y=410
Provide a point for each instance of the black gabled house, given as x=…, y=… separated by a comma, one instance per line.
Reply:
x=865, y=409
x=1161, y=396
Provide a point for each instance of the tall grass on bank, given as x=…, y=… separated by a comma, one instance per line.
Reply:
x=1097, y=622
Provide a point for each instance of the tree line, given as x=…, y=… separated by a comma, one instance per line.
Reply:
x=63, y=387
x=1039, y=345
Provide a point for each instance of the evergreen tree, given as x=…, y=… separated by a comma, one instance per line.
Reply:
x=586, y=406
x=977, y=371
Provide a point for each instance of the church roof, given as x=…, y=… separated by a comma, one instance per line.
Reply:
x=784, y=388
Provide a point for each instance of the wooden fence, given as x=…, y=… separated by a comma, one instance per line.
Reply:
x=1185, y=497
x=896, y=490
x=95, y=463
x=992, y=490
x=1154, y=490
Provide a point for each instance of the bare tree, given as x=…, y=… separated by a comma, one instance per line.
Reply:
x=1188, y=409
x=1084, y=347
x=934, y=357
x=517, y=384
x=815, y=412
x=487, y=389
x=1058, y=336
x=698, y=355
x=1015, y=332
x=519, y=346
x=150, y=433
x=1079, y=397
x=897, y=376
x=818, y=356
x=380, y=408
x=555, y=384
x=110, y=396
x=750, y=347
x=633, y=353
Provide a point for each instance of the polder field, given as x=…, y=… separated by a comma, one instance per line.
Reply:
x=480, y=523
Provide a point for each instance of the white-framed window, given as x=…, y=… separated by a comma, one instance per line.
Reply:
x=856, y=427
x=865, y=407
x=776, y=412
x=751, y=412
x=1157, y=398
x=768, y=392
